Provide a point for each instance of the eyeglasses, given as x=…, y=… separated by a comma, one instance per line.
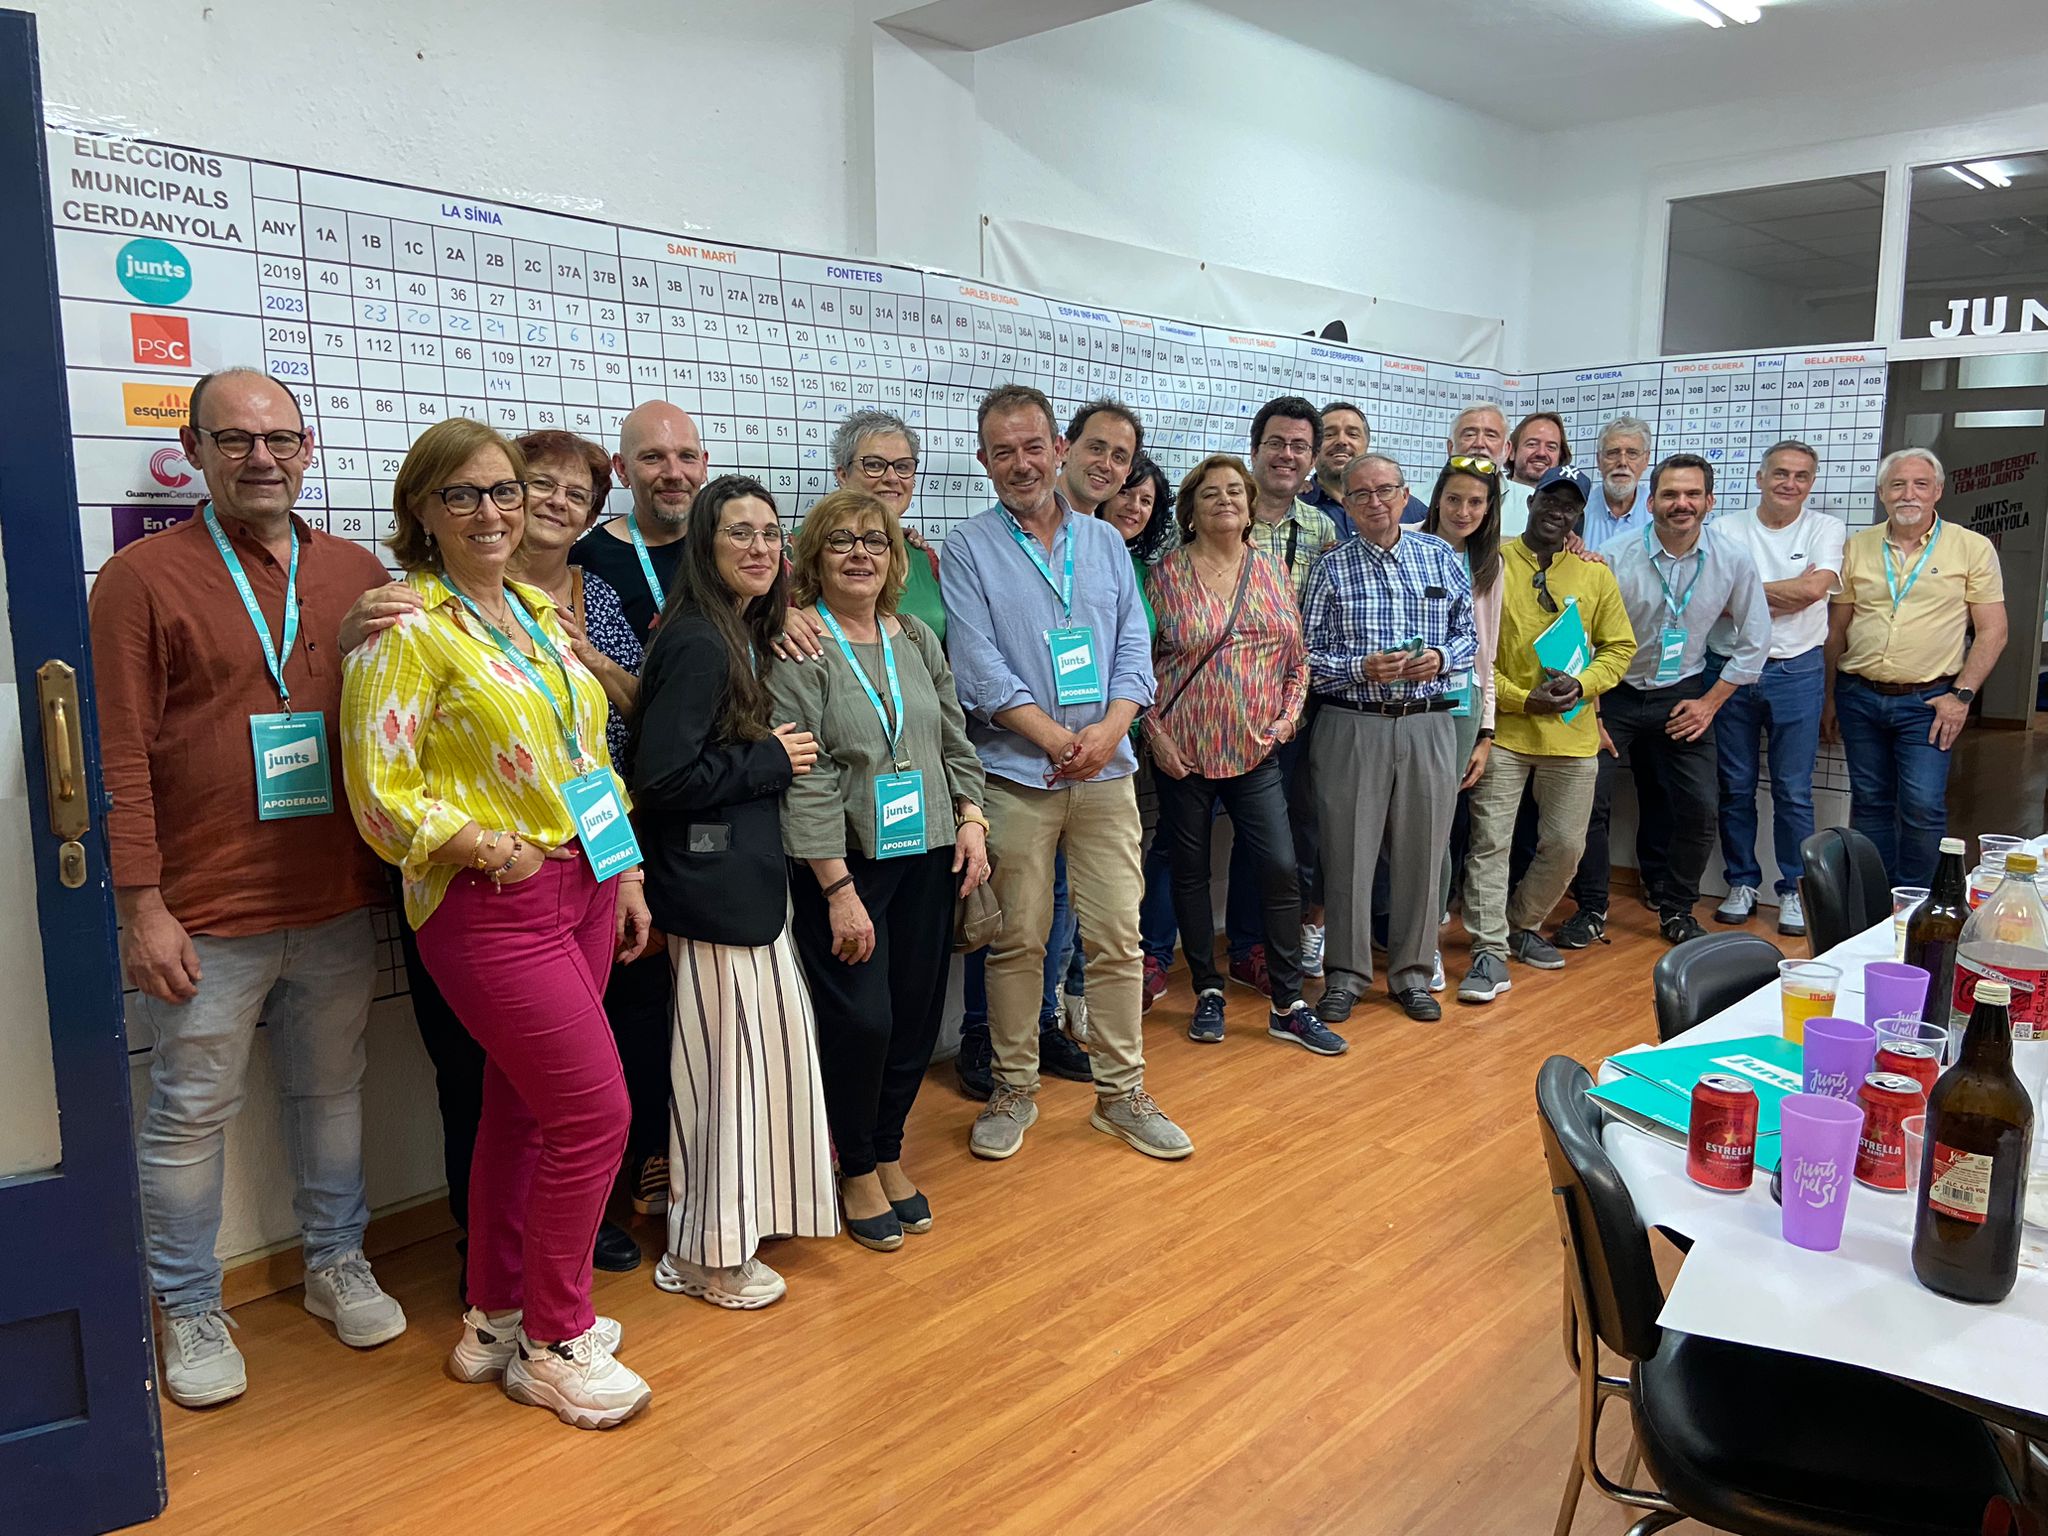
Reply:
x=468, y=500
x=841, y=541
x=1285, y=445
x=541, y=487
x=1467, y=464
x=875, y=467
x=1386, y=495
x=1541, y=582
x=234, y=443
x=740, y=536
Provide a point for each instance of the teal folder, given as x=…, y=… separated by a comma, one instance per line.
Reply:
x=1564, y=647
x=1654, y=1093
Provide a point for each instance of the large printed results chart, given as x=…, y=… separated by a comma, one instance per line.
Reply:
x=386, y=308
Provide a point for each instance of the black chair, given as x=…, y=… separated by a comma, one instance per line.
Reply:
x=1697, y=979
x=1844, y=889
x=1747, y=1440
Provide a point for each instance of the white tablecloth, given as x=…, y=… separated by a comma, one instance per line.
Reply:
x=1860, y=1304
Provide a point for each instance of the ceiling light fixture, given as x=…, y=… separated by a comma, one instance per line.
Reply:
x=1740, y=11
x=1698, y=10
x=1988, y=169
x=1964, y=177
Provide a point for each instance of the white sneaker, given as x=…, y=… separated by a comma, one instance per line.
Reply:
x=348, y=1296
x=1313, y=938
x=487, y=1348
x=743, y=1289
x=577, y=1380
x=1737, y=908
x=201, y=1364
x=1436, y=974
x=1791, y=915
x=1074, y=1017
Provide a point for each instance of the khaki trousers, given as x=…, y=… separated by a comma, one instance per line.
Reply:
x=1564, y=801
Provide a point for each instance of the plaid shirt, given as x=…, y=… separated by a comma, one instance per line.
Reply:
x=1309, y=531
x=1363, y=599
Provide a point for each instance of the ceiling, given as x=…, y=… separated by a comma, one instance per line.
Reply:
x=1550, y=64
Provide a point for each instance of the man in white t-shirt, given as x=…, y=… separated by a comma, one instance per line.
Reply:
x=1798, y=552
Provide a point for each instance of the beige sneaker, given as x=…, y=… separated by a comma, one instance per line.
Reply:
x=1134, y=1117
x=201, y=1364
x=577, y=1380
x=999, y=1128
x=740, y=1288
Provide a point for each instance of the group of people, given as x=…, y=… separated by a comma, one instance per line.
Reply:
x=680, y=806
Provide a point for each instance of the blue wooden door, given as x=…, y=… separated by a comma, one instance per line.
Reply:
x=80, y=1446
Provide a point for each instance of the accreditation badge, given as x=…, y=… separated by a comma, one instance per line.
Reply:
x=1670, y=657
x=1459, y=691
x=293, y=776
x=602, y=825
x=1076, y=676
x=899, y=814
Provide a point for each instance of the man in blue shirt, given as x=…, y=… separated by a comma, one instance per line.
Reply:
x=1623, y=506
x=1047, y=636
x=1387, y=618
x=1346, y=434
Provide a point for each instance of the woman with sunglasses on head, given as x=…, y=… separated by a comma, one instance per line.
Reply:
x=749, y=1153
x=1464, y=511
x=883, y=834
x=475, y=758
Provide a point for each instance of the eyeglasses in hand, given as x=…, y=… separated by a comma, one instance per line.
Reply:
x=874, y=467
x=541, y=487
x=841, y=541
x=743, y=537
x=234, y=443
x=468, y=500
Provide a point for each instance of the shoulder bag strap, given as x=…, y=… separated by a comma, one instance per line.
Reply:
x=1244, y=577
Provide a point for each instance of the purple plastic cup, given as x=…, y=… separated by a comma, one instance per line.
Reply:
x=1839, y=1055
x=1892, y=989
x=1818, y=1153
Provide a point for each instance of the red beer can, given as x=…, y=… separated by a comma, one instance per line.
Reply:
x=1911, y=1058
x=1888, y=1098
x=1720, y=1143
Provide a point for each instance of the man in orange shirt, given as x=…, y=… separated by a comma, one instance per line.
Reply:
x=243, y=890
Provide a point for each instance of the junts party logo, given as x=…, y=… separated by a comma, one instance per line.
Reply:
x=900, y=809
x=1833, y=1085
x=154, y=271
x=1818, y=1184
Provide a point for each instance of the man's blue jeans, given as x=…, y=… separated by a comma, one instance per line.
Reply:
x=1898, y=783
x=312, y=988
x=1784, y=704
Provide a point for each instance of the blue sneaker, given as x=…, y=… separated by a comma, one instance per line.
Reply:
x=1207, y=1024
x=1302, y=1027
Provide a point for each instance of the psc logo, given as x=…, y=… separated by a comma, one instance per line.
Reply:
x=161, y=341
x=156, y=405
x=154, y=271
x=167, y=468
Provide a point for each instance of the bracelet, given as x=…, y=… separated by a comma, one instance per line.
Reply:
x=838, y=885
x=972, y=819
x=498, y=874
x=483, y=849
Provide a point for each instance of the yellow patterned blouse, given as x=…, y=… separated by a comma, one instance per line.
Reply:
x=438, y=730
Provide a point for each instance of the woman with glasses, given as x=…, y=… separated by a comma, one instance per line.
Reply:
x=1232, y=679
x=749, y=1152
x=475, y=758
x=877, y=452
x=882, y=835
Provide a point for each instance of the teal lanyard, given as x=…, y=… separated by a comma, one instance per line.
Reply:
x=565, y=719
x=1062, y=589
x=272, y=656
x=646, y=565
x=1676, y=608
x=1891, y=573
x=893, y=737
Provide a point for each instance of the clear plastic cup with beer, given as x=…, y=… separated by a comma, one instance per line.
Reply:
x=1806, y=990
x=1906, y=901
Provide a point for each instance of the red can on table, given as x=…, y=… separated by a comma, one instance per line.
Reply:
x=1720, y=1143
x=1911, y=1058
x=1888, y=1098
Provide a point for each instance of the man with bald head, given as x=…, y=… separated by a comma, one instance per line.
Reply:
x=661, y=460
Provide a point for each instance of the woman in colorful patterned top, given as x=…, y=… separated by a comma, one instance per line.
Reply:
x=474, y=753
x=1232, y=679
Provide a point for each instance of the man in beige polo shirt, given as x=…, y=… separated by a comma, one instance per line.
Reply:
x=1902, y=666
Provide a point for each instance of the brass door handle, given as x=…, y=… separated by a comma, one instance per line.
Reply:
x=60, y=743
x=63, y=750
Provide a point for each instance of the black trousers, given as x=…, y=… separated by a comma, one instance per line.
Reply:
x=878, y=1020
x=636, y=1002
x=1256, y=803
x=1678, y=797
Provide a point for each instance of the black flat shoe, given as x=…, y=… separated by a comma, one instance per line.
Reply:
x=616, y=1250
x=915, y=1214
x=1419, y=1005
x=883, y=1233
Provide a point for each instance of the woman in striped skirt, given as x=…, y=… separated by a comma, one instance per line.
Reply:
x=749, y=1154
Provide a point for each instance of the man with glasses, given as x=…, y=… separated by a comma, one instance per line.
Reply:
x=243, y=890
x=1388, y=620
x=1547, y=739
x=1798, y=552
x=1622, y=508
x=1046, y=632
x=661, y=460
x=1678, y=579
x=1102, y=441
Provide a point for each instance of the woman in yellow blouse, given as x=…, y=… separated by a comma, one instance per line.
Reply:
x=475, y=758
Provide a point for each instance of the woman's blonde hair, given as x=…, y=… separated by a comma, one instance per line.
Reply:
x=440, y=451
x=848, y=507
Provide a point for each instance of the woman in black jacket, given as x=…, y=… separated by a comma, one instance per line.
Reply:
x=749, y=1153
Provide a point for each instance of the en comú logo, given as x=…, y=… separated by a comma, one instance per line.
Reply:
x=154, y=271
x=156, y=405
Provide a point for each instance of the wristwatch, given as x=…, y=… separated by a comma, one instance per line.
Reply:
x=1967, y=695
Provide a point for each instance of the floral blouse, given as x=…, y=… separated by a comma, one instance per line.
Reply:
x=1259, y=676
x=604, y=621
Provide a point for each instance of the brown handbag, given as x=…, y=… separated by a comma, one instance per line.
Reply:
x=977, y=916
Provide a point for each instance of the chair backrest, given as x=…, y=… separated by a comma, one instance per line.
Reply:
x=1697, y=979
x=1844, y=889
x=1604, y=1237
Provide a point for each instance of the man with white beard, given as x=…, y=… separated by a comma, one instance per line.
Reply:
x=1623, y=507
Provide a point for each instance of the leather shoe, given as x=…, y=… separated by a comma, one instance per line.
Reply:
x=1335, y=1005
x=1060, y=1057
x=1419, y=1005
x=616, y=1250
x=975, y=1065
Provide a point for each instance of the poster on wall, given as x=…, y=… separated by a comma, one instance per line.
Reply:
x=1999, y=488
x=386, y=308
